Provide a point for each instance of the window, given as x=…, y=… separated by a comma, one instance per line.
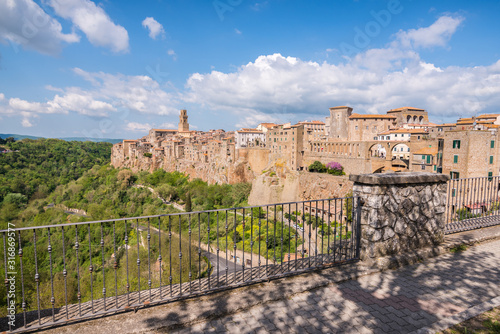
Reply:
x=456, y=144
x=455, y=159
x=454, y=175
x=423, y=167
x=453, y=192
x=492, y=144
x=435, y=167
x=367, y=127
x=356, y=127
x=429, y=159
x=491, y=159
x=395, y=135
x=490, y=176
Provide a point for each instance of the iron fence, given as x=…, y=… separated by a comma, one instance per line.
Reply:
x=472, y=203
x=57, y=274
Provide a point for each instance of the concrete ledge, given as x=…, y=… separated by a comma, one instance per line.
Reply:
x=398, y=178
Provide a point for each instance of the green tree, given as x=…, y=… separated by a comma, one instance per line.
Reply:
x=317, y=167
x=187, y=206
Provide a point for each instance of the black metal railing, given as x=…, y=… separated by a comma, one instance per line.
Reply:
x=56, y=274
x=472, y=203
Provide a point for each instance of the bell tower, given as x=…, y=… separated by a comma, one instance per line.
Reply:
x=183, y=121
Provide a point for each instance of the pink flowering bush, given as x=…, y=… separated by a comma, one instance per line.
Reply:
x=334, y=168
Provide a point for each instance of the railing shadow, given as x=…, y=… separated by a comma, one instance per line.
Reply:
x=398, y=301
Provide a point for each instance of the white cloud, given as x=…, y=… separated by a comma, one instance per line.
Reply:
x=138, y=127
x=23, y=105
x=138, y=93
x=374, y=81
x=437, y=34
x=255, y=119
x=169, y=126
x=81, y=102
x=2, y=97
x=23, y=22
x=155, y=28
x=94, y=22
x=26, y=123
x=109, y=94
x=172, y=54
x=237, y=31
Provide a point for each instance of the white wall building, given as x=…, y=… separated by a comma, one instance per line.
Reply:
x=249, y=138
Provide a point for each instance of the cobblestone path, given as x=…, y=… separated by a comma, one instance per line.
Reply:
x=399, y=301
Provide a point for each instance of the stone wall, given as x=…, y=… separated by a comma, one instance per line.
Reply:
x=293, y=186
x=400, y=212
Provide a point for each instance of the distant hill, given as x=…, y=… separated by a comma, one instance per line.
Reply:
x=20, y=137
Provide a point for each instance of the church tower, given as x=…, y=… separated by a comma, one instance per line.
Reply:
x=183, y=121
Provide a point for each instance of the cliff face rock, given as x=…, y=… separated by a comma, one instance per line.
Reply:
x=297, y=186
x=217, y=171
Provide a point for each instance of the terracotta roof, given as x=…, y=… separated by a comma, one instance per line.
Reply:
x=158, y=149
x=388, y=132
x=130, y=140
x=371, y=116
x=311, y=122
x=250, y=131
x=268, y=125
x=488, y=116
x=403, y=131
x=427, y=151
x=492, y=126
x=404, y=108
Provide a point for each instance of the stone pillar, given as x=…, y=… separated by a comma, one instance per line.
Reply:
x=400, y=212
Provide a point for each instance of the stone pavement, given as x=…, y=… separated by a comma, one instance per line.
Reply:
x=398, y=301
x=434, y=293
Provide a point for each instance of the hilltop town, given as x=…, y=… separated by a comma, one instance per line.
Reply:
x=400, y=140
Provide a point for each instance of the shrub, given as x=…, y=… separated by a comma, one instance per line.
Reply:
x=148, y=155
x=317, y=167
x=334, y=168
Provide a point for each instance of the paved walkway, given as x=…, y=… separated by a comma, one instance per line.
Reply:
x=400, y=301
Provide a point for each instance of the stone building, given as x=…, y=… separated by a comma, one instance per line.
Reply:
x=471, y=153
x=183, y=121
x=286, y=142
x=366, y=127
x=408, y=116
x=249, y=138
x=337, y=123
x=425, y=159
x=315, y=130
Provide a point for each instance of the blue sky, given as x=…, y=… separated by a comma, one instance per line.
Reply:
x=115, y=69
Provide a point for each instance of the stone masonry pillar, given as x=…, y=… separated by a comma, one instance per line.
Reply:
x=400, y=212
